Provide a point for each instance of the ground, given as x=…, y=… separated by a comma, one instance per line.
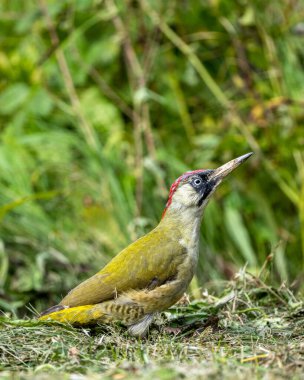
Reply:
x=252, y=331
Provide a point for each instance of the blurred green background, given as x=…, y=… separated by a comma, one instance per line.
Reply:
x=104, y=103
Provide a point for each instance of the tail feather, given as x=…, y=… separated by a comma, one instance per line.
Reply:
x=79, y=315
x=127, y=308
x=53, y=309
x=104, y=312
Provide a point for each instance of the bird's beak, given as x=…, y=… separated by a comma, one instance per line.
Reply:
x=218, y=174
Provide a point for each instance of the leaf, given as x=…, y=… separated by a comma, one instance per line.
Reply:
x=41, y=103
x=239, y=234
x=26, y=22
x=99, y=111
x=18, y=202
x=13, y=97
x=3, y=264
x=248, y=17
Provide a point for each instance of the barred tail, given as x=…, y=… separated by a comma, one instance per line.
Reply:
x=125, y=309
x=104, y=312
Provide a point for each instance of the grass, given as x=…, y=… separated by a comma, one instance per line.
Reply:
x=252, y=330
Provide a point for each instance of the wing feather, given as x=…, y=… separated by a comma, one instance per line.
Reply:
x=156, y=255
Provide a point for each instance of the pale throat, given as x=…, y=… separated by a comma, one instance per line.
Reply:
x=187, y=220
x=184, y=215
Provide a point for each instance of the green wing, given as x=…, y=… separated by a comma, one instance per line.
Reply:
x=154, y=257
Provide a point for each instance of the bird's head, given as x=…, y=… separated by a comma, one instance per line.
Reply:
x=192, y=190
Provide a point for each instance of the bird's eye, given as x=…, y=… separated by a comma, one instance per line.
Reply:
x=197, y=182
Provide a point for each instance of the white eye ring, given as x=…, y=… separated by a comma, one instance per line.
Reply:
x=197, y=182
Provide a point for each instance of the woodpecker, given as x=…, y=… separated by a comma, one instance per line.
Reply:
x=151, y=274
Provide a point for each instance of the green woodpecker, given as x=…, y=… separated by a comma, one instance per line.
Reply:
x=151, y=274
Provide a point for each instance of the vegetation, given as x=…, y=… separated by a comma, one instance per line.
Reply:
x=103, y=103
x=253, y=331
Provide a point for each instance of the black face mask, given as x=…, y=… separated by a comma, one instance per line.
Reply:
x=203, y=185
